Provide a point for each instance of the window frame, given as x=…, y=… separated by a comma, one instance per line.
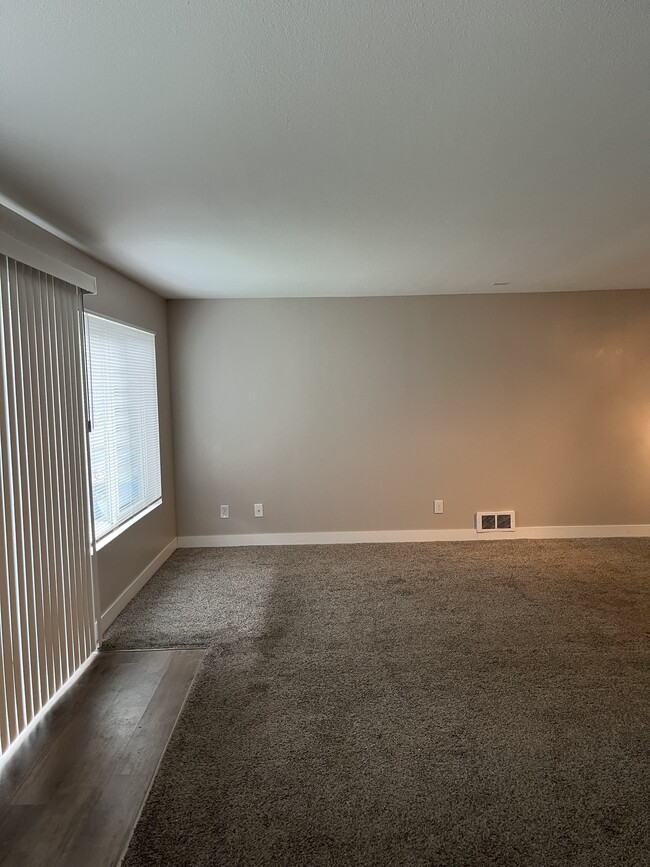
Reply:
x=117, y=529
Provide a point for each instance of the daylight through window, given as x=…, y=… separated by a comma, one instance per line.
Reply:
x=124, y=438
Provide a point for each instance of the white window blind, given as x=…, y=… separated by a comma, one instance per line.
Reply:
x=124, y=438
x=47, y=598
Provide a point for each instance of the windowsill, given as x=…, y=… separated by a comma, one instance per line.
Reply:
x=113, y=534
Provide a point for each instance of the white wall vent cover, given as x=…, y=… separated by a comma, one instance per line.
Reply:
x=495, y=522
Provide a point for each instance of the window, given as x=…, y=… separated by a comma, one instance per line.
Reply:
x=124, y=438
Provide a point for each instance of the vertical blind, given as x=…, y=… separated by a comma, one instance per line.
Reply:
x=47, y=602
x=124, y=439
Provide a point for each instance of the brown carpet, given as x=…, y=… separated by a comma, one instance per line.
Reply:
x=433, y=704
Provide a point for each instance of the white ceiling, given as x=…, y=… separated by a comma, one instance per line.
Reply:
x=224, y=148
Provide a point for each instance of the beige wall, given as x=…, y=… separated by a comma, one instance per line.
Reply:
x=354, y=414
x=123, y=559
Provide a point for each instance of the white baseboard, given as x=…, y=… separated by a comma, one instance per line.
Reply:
x=136, y=585
x=603, y=531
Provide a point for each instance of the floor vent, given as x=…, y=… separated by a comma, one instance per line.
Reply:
x=495, y=522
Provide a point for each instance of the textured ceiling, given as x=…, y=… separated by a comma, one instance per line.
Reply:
x=336, y=147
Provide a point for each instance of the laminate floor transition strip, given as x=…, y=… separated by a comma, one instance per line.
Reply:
x=72, y=792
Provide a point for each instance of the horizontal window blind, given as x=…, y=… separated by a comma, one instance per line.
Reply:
x=47, y=600
x=124, y=439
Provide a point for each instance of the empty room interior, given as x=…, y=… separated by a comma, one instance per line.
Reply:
x=325, y=433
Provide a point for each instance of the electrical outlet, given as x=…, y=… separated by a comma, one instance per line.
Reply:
x=225, y=511
x=259, y=510
x=438, y=507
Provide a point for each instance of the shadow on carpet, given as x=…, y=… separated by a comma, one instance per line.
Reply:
x=421, y=704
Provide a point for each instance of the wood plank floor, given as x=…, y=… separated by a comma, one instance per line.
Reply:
x=72, y=792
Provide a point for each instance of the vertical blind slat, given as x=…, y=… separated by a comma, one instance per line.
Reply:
x=26, y=583
x=56, y=554
x=34, y=328
x=59, y=499
x=20, y=648
x=51, y=532
x=71, y=455
x=84, y=392
x=30, y=495
x=8, y=640
x=31, y=517
x=21, y=496
x=64, y=486
x=80, y=444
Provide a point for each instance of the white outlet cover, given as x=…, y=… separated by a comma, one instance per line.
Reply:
x=259, y=510
x=225, y=511
x=438, y=507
